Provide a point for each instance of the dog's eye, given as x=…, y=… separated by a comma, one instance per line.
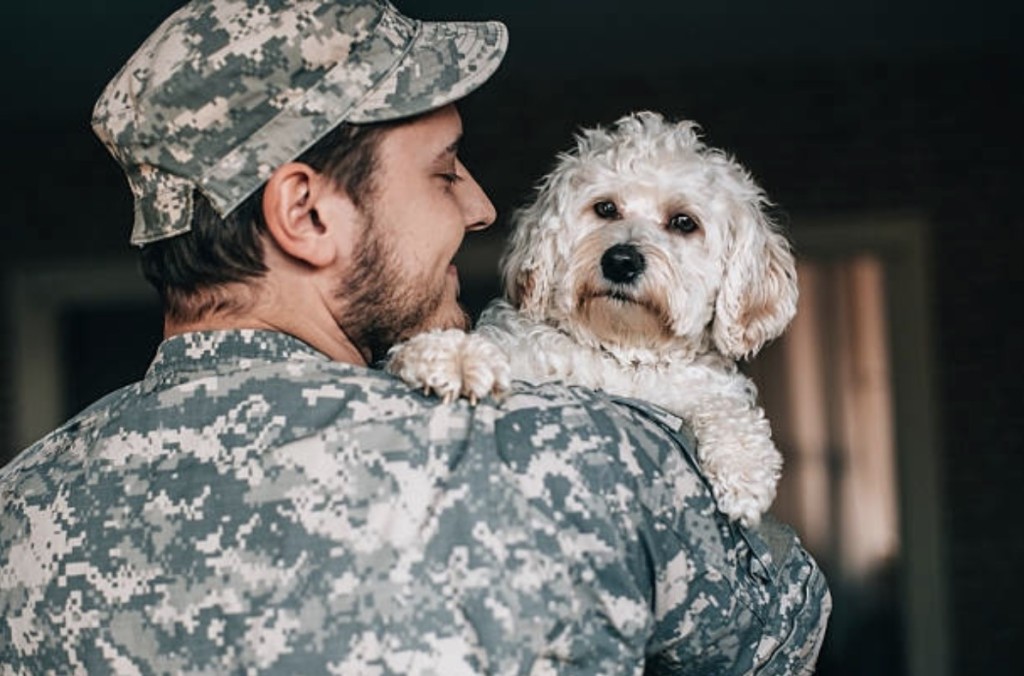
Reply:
x=683, y=223
x=606, y=209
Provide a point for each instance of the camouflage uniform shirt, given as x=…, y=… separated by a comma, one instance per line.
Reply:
x=252, y=507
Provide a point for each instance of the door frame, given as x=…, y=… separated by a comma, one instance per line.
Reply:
x=902, y=242
x=38, y=295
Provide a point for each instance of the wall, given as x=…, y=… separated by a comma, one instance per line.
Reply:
x=939, y=136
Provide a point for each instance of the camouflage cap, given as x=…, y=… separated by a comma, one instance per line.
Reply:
x=225, y=91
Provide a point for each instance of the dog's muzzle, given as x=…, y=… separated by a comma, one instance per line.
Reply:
x=622, y=264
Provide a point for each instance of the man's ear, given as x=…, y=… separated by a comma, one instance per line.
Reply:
x=305, y=214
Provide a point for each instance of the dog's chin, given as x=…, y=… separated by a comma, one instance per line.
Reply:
x=619, y=320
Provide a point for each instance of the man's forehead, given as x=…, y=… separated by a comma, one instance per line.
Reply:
x=434, y=135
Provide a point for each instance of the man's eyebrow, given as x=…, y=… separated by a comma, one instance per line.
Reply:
x=451, y=149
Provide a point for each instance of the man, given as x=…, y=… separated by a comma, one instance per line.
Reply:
x=262, y=501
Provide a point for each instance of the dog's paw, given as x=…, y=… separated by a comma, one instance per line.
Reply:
x=744, y=486
x=741, y=503
x=452, y=364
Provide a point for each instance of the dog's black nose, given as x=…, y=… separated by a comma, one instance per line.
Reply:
x=622, y=263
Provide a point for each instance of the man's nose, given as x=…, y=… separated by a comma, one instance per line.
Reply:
x=476, y=206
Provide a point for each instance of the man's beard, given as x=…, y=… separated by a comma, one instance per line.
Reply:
x=383, y=305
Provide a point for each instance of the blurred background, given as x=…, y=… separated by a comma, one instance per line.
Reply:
x=887, y=132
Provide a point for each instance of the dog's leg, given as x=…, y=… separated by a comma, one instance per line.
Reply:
x=738, y=456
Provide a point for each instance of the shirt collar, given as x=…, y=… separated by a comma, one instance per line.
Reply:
x=188, y=355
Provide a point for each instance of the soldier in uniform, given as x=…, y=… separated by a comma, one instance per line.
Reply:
x=263, y=501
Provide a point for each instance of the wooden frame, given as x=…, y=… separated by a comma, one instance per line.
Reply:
x=38, y=295
x=901, y=241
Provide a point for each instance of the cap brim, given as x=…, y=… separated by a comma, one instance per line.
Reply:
x=445, y=62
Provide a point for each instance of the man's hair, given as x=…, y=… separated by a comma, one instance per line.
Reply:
x=189, y=270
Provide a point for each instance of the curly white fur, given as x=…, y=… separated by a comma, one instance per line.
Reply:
x=646, y=267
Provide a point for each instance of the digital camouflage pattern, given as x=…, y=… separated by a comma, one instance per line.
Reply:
x=225, y=91
x=253, y=507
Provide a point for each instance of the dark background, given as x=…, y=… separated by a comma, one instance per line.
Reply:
x=839, y=109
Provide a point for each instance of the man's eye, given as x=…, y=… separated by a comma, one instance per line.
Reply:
x=606, y=209
x=450, y=177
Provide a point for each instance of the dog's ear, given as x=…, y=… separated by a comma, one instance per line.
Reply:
x=526, y=287
x=520, y=291
x=530, y=264
x=758, y=295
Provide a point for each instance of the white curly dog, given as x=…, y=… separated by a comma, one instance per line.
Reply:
x=646, y=267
